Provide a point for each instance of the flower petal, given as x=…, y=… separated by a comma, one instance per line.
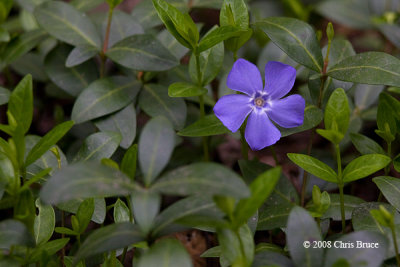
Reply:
x=288, y=112
x=260, y=132
x=232, y=110
x=245, y=77
x=279, y=79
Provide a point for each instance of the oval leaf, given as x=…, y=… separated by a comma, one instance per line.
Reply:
x=363, y=166
x=207, y=126
x=98, y=146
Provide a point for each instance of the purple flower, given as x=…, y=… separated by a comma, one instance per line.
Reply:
x=261, y=104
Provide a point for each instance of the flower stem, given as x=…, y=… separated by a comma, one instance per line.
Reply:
x=305, y=175
x=274, y=155
x=396, y=248
x=105, y=43
x=341, y=185
x=201, y=103
x=245, y=148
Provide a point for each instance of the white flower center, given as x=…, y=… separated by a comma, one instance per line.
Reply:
x=259, y=102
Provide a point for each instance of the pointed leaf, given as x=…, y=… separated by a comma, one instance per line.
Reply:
x=207, y=126
x=99, y=145
x=363, y=166
x=44, y=223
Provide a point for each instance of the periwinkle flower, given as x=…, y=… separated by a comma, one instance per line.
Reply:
x=261, y=104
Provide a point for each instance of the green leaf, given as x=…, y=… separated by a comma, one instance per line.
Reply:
x=7, y=174
x=98, y=145
x=103, y=97
x=121, y=212
x=99, y=213
x=47, y=141
x=390, y=188
x=85, y=180
x=122, y=122
x=180, y=25
x=350, y=203
x=366, y=145
x=129, y=161
x=365, y=95
x=145, y=207
x=312, y=117
x=50, y=248
x=234, y=13
x=363, y=166
x=218, y=35
x=14, y=232
x=85, y=213
x=5, y=7
x=302, y=227
x=4, y=95
x=67, y=24
x=65, y=231
x=337, y=112
x=122, y=26
x=20, y=104
x=80, y=54
x=332, y=135
x=357, y=256
x=109, y=238
x=44, y=223
x=22, y=45
x=202, y=178
x=71, y=80
x=113, y=3
x=156, y=143
x=369, y=68
x=314, y=166
x=187, y=207
x=396, y=163
x=270, y=258
x=260, y=189
x=207, y=126
x=154, y=100
x=169, y=41
x=386, y=119
x=167, y=253
x=184, y=89
x=30, y=63
x=296, y=38
x=142, y=52
x=86, y=5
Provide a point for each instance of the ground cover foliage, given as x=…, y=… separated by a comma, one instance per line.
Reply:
x=111, y=154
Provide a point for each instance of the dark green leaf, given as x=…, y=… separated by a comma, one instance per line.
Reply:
x=99, y=145
x=109, y=238
x=123, y=122
x=5, y=7
x=4, y=95
x=72, y=206
x=302, y=227
x=202, y=178
x=167, y=253
x=156, y=143
x=396, y=163
x=103, y=97
x=296, y=38
x=14, y=232
x=366, y=145
x=30, y=63
x=44, y=223
x=357, y=256
x=369, y=68
x=47, y=141
x=142, y=52
x=20, y=104
x=50, y=248
x=169, y=41
x=386, y=120
x=363, y=166
x=129, y=161
x=350, y=202
x=154, y=100
x=314, y=166
x=85, y=180
x=184, y=89
x=67, y=24
x=390, y=188
x=145, y=207
x=71, y=80
x=260, y=189
x=312, y=117
x=80, y=54
x=207, y=126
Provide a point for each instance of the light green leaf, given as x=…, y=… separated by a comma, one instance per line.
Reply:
x=364, y=166
x=202, y=178
x=44, y=223
x=109, y=238
x=47, y=141
x=296, y=38
x=85, y=180
x=207, y=126
x=314, y=166
x=98, y=145
x=350, y=203
x=184, y=89
x=218, y=35
x=156, y=143
x=337, y=112
x=13, y=232
x=123, y=122
x=145, y=207
x=121, y=212
x=369, y=68
x=154, y=100
x=142, y=52
x=103, y=97
x=67, y=24
x=167, y=253
x=50, y=248
x=99, y=213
